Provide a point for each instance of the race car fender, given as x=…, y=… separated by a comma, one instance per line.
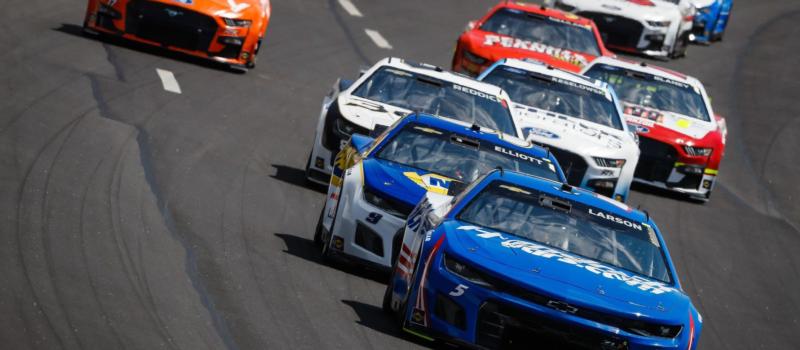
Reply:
x=418, y=236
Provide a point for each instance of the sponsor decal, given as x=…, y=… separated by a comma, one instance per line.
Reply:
x=474, y=92
x=683, y=123
x=518, y=155
x=646, y=117
x=611, y=141
x=639, y=128
x=592, y=266
x=430, y=182
x=615, y=219
x=539, y=132
x=582, y=87
x=557, y=53
x=672, y=82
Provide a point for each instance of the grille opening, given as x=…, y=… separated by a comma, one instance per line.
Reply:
x=617, y=30
x=170, y=25
x=450, y=312
x=368, y=239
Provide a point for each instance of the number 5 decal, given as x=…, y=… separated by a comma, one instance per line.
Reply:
x=459, y=290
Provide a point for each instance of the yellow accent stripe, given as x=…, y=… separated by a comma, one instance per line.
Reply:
x=418, y=334
x=711, y=171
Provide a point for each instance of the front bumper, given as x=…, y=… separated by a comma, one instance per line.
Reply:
x=176, y=28
x=365, y=233
x=632, y=35
x=583, y=172
x=487, y=319
x=664, y=166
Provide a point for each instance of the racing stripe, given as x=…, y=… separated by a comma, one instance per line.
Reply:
x=421, y=290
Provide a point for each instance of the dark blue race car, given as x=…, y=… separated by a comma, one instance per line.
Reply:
x=711, y=20
x=519, y=262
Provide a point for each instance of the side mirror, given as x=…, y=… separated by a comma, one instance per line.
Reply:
x=455, y=188
x=361, y=142
x=378, y=130
x=471, y=25
x=344, y=84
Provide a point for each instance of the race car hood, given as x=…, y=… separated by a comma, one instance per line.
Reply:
x=702, y=3
x=494, y=47
x=638, y=9
x=564, y=276
x=226, y=8
x=367, y=113
x=648, y=119
x=402, y=182
x=573, y=134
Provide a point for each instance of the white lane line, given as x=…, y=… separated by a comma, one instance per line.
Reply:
x=378, y=39
x=168, y=81
x=351, y=9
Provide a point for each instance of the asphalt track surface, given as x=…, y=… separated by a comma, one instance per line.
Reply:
x=136, y=218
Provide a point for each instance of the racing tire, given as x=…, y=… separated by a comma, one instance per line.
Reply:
x=318, y=230
x=397, y=316
x=681, y=46
x=89, y=32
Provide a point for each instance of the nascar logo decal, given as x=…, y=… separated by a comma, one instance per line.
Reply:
x=430, y=182
x=557, y=53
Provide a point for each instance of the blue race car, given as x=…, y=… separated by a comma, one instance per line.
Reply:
x=711, y=20
x=377, y=182
x=521, y=262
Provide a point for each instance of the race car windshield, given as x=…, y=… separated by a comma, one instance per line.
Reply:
x=421, y=93
x=569, y=226
x=457, y=157
x=557, y=95
x=651, y=91
x=542, y=29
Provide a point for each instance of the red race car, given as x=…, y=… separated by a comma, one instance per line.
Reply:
x=517, y=30
x=681, y=139
x=227, y=31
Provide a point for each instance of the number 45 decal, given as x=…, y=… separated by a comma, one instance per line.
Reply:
x=459, y=290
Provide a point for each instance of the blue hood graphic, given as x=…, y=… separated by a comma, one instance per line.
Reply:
x=566, y=276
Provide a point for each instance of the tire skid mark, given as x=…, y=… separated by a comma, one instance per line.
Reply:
x=45, y=242
x=223, y=331
x=130, y=267
x=85, y=258
x=738, y=109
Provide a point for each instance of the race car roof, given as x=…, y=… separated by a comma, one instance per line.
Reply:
x=646, y=68
x=442, y=74
x=545, y=69
x=500, y=139
x=545, y=11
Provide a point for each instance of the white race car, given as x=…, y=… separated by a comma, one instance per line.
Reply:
x=393, y=88
x=578, y=118
x=377, y=182
x=658, y=28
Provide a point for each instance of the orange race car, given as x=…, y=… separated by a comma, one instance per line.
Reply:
x=228, y=31
x=520, y=30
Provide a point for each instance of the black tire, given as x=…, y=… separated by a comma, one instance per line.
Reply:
x=318, y=230
x=308, y=168
x=681, y=46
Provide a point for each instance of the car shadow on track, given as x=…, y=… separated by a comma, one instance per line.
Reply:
x=660, y=192
x=76, y=30
x=297, y=177
x=374, y=318
x=305, y=249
